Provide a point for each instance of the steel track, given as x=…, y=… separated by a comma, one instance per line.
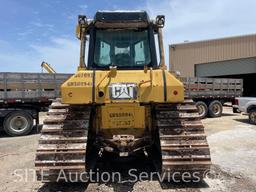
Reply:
x=184, y=147
x=62, y=144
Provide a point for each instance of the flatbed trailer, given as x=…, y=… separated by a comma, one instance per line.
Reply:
x=23, y=96
x=211, y=93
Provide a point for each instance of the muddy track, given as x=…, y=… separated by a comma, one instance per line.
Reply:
x=63, y=141
x=183, y=141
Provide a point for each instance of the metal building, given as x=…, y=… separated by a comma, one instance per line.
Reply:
x=227, y=57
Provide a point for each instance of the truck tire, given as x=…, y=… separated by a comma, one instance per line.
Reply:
x=252, y=116
x=236, y=110
x=202, y=109
x=18, y=123
x=215, y=109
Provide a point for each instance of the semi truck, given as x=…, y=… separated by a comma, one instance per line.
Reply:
x=23, y=96
x=210, y=94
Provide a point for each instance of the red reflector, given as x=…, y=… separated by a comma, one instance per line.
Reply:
x=11, y=101
x=175, y=92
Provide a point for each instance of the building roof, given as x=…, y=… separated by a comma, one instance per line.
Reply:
x=216, y=39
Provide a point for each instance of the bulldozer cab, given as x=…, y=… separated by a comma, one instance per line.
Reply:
x=122, y=39
x=125, y=52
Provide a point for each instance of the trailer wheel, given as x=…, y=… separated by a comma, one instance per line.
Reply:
x=18, y=123
x=236, y=110
x=202, y=109
x=252, y=116
x=215, y=109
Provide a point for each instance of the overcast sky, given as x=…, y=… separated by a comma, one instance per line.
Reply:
x=32, y=31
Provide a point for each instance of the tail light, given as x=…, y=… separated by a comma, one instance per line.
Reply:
x=235, y=102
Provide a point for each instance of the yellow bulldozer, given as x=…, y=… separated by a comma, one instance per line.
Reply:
x=123, y=102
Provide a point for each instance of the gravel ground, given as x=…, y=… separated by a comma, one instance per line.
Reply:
x=233, y=148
